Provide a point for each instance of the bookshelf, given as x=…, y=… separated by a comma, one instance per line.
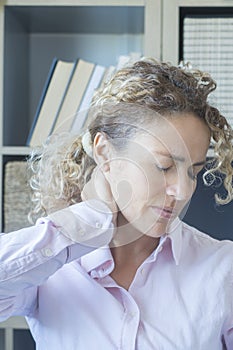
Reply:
x=32, y=33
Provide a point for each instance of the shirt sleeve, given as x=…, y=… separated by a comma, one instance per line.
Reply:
x=227, y=337
x=29, y=256
x=228, y=333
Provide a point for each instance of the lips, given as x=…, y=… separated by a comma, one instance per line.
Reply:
x=165, y=212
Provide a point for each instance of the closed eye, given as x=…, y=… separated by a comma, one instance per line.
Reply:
x=163, y=169
x=192, y=175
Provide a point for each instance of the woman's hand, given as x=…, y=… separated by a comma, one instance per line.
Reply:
x=99, y=188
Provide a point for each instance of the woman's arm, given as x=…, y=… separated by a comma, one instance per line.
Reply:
x=29, y=256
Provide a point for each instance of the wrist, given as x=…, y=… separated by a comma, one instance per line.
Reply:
x=88, y=222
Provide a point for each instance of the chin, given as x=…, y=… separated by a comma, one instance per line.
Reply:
x=159, y=229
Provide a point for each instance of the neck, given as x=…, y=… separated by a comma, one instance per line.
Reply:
x=130, y=245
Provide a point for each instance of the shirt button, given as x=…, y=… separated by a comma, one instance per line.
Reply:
x=82, y=233
x=160, y=249
x=98, y=224
x=47, y=252
x=142, y=271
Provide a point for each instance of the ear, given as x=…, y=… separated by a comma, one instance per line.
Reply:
x=102, y=151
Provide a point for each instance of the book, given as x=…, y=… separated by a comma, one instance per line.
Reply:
x=122, y=61
x=51, y=97
x=82, y=118
x=107, y=76
x=73, y=97
x=82, y=112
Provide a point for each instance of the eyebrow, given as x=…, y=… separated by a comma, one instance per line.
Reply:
x=180, y=159
x=203, y=162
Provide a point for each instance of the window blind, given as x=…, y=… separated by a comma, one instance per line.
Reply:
x=208, y=46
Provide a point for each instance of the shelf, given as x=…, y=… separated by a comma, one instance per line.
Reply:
x=14, y=334
x=33, y=32
x=16, y=322
x=13, y=151
x=79, y=19
x=34, y=35
x=75, y=2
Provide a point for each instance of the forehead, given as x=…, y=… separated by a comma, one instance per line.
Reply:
x=182, y=136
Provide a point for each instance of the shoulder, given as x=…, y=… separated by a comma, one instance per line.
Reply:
x=205, y=238
x=202, y=244
x=207, y=265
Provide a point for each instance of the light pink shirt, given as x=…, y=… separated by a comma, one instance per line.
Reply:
x=180, y=299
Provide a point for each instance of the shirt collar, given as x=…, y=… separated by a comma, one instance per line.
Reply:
x=99, y=262
x=174, y=233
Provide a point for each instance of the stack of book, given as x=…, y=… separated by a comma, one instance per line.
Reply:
x=67, y=94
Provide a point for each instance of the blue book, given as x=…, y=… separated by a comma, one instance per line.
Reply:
x=45, y=88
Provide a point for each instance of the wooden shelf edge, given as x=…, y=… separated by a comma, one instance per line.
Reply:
x=14, y=150
x=17, y=322
x=75, y=3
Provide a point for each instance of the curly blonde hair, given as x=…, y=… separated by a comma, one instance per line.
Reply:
x=61, y=167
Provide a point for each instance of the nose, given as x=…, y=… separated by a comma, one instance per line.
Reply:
x=181, y=187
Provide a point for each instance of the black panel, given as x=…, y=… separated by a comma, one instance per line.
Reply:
x=23, y=340
x=206, y=215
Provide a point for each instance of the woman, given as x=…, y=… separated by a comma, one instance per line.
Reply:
x=119, y=270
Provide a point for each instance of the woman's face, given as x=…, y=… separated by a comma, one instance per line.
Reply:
x=155, y=176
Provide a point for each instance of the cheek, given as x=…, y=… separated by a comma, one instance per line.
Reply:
x=134, y=187
x=128, y=183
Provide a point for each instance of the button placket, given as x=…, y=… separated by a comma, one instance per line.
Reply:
x=131, y=322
